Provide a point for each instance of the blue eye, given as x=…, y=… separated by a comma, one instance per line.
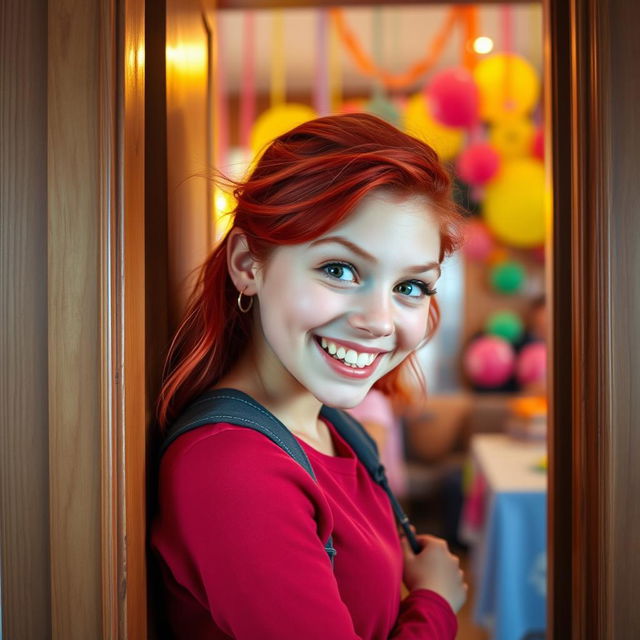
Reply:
x=340, y=271
x=414, y=289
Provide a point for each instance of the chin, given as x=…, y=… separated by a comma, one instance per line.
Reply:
x=343, y=398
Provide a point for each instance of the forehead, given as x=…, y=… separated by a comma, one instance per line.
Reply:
x=384, y=221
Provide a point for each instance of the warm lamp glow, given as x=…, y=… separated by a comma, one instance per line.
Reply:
x=483, y=44
x=188, y=57
x=224, y=204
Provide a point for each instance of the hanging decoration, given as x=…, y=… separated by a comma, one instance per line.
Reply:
x=321, y=82
x=247, y=80
x=531, y=366
x=380, y=105
x=478, y=242
x=508, y=85
x=512, y=137
x=465, y=16
x=478, y=164
x=507, y=277
x=513, y=206
x=453, y=96
x=281, y=116
x=506, y=325
x=489, y=361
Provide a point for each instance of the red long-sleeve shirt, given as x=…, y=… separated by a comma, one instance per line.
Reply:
x=240, y=538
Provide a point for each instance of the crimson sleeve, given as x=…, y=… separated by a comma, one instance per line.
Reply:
x=248, y=526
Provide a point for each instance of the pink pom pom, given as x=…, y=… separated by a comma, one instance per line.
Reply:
x=532, y=363
x=489, y=361
x=478, y=242
x=478, y=163
x=454, y=98
x=537, y=145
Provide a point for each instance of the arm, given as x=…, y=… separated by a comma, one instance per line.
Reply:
x=249, y=531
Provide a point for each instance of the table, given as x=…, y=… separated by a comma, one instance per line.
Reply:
x=504, y=519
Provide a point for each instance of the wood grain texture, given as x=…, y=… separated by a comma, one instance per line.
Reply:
x=558, y=69
x=133, y=322
x=623, y=526
x=24, y=475
x=595, y=411
x=74, y=318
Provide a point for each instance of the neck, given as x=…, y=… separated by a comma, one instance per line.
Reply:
x=283, y=396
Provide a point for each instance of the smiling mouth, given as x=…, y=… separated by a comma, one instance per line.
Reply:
x=347, y=356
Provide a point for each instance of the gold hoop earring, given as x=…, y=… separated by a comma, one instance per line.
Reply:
x=248, y=307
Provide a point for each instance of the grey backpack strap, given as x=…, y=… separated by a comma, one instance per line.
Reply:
x=237, y=408
x=366, y=449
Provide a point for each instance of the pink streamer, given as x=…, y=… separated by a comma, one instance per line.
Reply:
x=507, y=28
x=321, y=82
x=247, y=85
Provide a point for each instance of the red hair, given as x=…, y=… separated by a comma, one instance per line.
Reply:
x=307, y=181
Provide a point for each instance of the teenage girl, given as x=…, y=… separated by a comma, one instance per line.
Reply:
x=322, y=289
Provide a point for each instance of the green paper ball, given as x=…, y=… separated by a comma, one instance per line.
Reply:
x=507, y=277
x=505, y=324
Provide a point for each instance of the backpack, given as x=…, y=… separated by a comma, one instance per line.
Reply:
x=237, y=408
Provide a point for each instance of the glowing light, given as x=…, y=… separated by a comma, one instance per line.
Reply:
x=191, y=57
x=224, y=204
x=483, y=44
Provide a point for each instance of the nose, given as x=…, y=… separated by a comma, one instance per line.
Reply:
x=374, y=315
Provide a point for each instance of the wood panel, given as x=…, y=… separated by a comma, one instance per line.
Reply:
x=74, y=318
x=188, y=147
x=132, y=177
x=24, y=467
x=618, y=160
x=594, y=512
x=122, y=276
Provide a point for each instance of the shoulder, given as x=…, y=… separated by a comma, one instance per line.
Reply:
x=225, y=455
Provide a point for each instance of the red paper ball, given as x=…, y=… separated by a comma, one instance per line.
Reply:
x=532, y=363
x=489, y=361
x=454, y=98
x=478, y=242
x=478, y=163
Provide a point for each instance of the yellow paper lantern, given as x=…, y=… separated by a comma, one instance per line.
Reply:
x=513, y=137
x=509, y=86
x=418, y=122
x=276, y=121
x=514, y=203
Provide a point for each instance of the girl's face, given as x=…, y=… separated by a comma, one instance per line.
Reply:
x=338, y=313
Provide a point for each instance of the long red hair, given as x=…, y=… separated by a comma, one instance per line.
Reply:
x=307, y=181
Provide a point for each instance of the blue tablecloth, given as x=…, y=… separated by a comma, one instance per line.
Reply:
x=512, y=589
x=510, y=541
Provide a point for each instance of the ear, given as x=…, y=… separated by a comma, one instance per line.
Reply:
x=241, y=263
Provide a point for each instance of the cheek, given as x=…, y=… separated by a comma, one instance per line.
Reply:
x=298, y=303
x=414, y=329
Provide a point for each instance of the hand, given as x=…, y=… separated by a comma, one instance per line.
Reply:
x=435, y=568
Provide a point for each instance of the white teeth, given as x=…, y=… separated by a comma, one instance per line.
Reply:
x=348, y=356
x=363, y=360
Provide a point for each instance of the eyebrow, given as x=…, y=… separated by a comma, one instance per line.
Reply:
x=419, y=268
